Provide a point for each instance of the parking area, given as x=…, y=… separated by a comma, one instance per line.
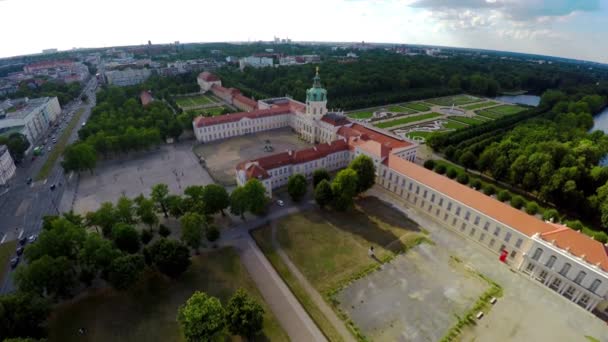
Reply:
x=414, y=298
x=221, y=157
x=174, y=165
x=526, y=312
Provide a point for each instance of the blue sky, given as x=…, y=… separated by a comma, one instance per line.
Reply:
x=575, y=28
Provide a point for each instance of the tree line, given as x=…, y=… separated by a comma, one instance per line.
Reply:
x=65, y=92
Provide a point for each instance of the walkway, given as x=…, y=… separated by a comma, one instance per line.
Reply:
x=316, y=297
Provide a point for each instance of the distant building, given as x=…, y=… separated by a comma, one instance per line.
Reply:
x=7, y=166
x=127, y=76
x=30, y=117
x=255, y=62
x=45, y=51
x=62, y=70
x=206, y=80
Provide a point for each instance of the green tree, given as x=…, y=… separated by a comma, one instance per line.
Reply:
x=125, y=210
x=47, y=276
x=63, y=239
x=160, y=194
x=452, y=173
x=429, y=164
x=79, y=157
x=551, y=214
x=256, y=196
x=323, y=193
x=125, y=270
x=201, y=318
x=216, y=199
x=146, y=213
x=238, y=202
x=489, y=189
x=244, y=315
x=296, y=186
x=504, y=195
x=17, y=144
x=23, y=315
x=194, y=200
x=366, y=172
x=105, y=217
x=532, y=208
x=95, y=257
x=175, y=205
x=126, y=238
x=440, y=169
x=463, y=178
x=170, y=257
x=192, y=225
x=517, y=202
x=318, y=175
x=468, y=160
x=344, y=188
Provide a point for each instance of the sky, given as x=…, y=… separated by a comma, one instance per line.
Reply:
x=574, y=29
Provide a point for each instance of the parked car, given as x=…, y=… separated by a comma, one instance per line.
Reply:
x=280, y=203
x=14, y=262
x=19, y=250
x=29, y=181
x=23, y=241
x=32, y=238
x=52, y=187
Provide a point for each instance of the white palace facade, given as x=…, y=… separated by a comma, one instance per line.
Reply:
x=554, y=256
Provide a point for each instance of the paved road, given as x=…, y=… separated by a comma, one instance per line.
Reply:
x=23, y=206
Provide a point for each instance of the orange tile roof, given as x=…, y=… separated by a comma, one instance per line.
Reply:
x=381, y=137
x=145, y=97
x=579, y=244
x=207, y=76
x=487, y=205
x=246, y=101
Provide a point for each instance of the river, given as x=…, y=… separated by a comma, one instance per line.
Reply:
x=529, y=100
x=600, y=121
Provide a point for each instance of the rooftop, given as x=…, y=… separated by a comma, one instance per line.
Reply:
x=207, y=76
x=578, y=244
x=260, y=113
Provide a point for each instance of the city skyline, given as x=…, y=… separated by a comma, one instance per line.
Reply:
x=556, y=28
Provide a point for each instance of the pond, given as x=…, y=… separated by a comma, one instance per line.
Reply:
x=529, y=100
x=600, y=122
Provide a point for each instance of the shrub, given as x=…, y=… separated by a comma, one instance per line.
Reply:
x=476, y=183
x=600, y=236
x=517, y=202
x=463, y=178
x=504, y=196
x=449, y=152
x=551, y=214
x=489, y=189
x=575, y=224
x=164, y=231
x=452, y=173
x=212, y=233
x=440, y=169
x=532, y=208
x=429, y=164
x=146, y=236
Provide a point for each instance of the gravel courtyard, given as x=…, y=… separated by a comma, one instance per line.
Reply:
x=414, y=298
x=220, y=157
x=174, y=165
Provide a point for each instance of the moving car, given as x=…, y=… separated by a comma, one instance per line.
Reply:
x=14, y=262
x=19, y=250
x=280, y=203
x=32, y=238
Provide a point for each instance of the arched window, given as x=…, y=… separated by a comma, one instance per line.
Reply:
x=551, y=261
x=579, y=277
x=596, y=283
x=537, y=253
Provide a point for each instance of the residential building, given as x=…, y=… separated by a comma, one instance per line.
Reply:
x=31, y=117
x=255, y=62
x=7, y=166
x=206, y=80
x=127, y=76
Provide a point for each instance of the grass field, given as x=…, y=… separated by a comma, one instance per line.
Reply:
x=398, y=109
x=454, y=125
x=424, y=135
x=466, y=120
x=366, y=114
x=417, y=106
x=480, y=105
x=148, y=311
x=59, y=147
x=408, y=119
x=7, y=250
x=456, y=100
x=500, y=111
x=190, y=101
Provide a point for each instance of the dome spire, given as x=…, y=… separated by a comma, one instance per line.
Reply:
x=317, y=80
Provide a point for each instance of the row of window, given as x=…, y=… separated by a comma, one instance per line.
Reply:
x=243, y=123
x=565, y=269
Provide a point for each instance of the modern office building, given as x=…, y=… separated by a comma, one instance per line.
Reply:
x=31, y=117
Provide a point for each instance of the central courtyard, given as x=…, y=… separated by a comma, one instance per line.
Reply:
x=221, y=157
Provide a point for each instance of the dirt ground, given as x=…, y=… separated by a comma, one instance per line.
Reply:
x=174, y=165
x=414, y=298
x=220, y=157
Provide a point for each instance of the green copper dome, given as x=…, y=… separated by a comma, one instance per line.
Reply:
x=316, y=93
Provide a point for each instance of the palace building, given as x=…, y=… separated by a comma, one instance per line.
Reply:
x=561, y=259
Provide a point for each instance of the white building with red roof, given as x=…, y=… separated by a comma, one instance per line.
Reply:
x=206, y=80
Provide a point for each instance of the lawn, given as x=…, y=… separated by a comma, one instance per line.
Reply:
x=424, y=135
x=407, y=119
x=366, y=114
x=148, y=311
x=480, y=105
x=454, y=125
x=213, y=111
x=456, y=100
x=399, y=109
x=507, y=109
x=59, y=147
x=417, y=106
x=466, y=120
x=7, y=250
x=190, y=101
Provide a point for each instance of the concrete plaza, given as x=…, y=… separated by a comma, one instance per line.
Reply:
x=174, y=165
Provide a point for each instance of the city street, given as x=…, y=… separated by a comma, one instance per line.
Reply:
x=23, y=206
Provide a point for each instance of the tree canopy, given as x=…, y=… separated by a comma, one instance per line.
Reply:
x=201, y=318
x=296, y=186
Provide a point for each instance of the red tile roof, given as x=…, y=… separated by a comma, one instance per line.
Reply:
x=260, y=113
x=504, y=213
x=335, y=119
x=207, y=76
x=578, y=244
x=145, y=97
x=219, y=88
x=246, y=101
x=381, y=137
x=48, y=64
